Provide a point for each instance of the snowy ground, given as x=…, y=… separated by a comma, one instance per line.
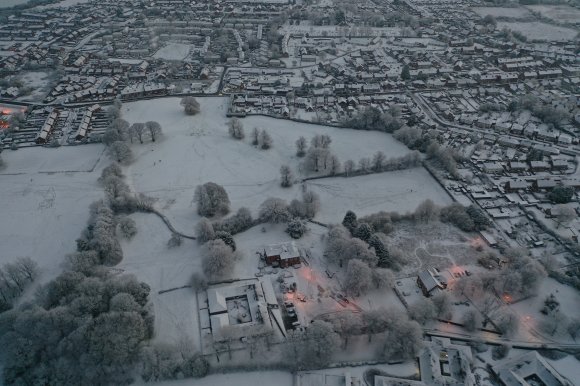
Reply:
x=559, y=13
x=529, y=309
x=63, y=3
x=148, y=257
x=12, y=3
x=46, y=195
x=38, y=81
x=400, y=191
x=198, y=149
x=514, y=13
x=278, y=378
x=539, y=31
x=173, y=51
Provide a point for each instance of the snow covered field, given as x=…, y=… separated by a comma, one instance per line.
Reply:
x=11, y=3
x=399, y=191
x=38, y=81
x=559, y=13
x=148, y=257
x=62, y=3
x=513, y=13
x=266, y=378
x=539, y=31
x=198, y=149
x=173, y=51
x=46, y=195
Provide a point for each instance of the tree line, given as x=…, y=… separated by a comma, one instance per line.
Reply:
x=15, y=278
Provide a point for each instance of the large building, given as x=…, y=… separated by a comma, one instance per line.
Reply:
x=235, y=307
x=528, y=369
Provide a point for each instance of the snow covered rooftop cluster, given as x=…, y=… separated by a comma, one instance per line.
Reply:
x=241, y=303
x=529, y=369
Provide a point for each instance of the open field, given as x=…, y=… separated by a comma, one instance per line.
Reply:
x=173, y=51
x=62, y=3
x=148, y=257
x=511, y=13
x=49, y=160
x=198, y=149
x=45, y=204
x=529, y=309
x=559, y=13
x=539, y=31
x=12, y=3
x=278, y=378
x=39, y=83
x=400, y=191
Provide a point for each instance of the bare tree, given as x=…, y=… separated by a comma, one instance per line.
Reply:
x=358, y=278
x=426, y=212
x=190, y=105
x=28, y=268
x=301, y=147
x=349, y=167
x=564, y=214
x=321, y=141
x=236, y=129
x=423, y=311
x=274, y=210
x=118, y=130
x=286, y=176
x=121, y=152
x=154, y=129
x=333, y=165
x=204, y=231
x=265, y=140
x=378, y=161
x=313, y=347
x=346, y=324
x=255, y=136
x=443, y=306
x=364, y=165
x=138, y=129
x=317, y=158
x=507, y=323
x=403, y=338
x=311, y=202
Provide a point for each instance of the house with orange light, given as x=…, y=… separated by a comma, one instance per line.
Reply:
x=429, y=282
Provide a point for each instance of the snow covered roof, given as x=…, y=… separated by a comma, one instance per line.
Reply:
x=216, y=301
x=429, y=281
x=286, y=250
x=518, y=371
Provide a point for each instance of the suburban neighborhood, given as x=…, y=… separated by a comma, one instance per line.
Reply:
x=290, y=192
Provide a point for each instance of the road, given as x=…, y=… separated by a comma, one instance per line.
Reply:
x=488, y=338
